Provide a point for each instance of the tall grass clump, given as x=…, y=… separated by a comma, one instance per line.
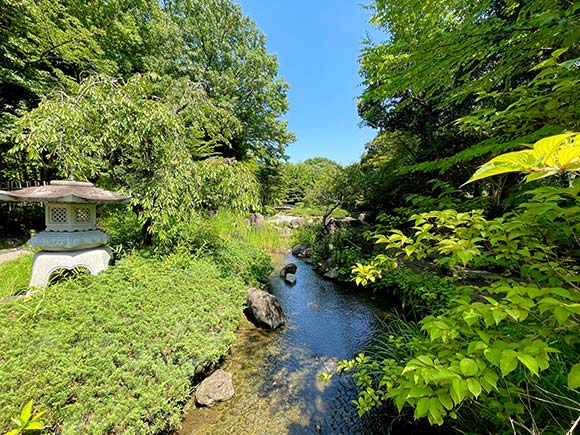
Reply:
x=232, y=224
x=15, y=275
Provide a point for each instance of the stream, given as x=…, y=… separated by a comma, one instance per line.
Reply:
x=275, y=373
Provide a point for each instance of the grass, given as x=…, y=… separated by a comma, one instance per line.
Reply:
x=229, y=224
x=115, y=353
x=15, y=275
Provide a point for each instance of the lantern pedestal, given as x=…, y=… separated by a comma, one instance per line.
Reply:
x=45, y=263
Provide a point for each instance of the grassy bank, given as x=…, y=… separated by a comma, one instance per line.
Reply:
x=115, y=353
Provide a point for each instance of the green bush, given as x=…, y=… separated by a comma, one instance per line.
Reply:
x=123, y=227
x=232, y=224
x=15, y=275
x=420, y=293
x=242, y=259
x=115, y=353
x=307, y=234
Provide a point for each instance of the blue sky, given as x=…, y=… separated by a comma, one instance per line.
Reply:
x=317, y=43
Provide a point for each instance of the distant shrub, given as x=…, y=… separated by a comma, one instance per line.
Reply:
x=123, y=227
x=419, y=293
x=232, y=224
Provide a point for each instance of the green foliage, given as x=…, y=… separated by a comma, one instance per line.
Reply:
x=47, y=47
x=223, y=183
x=493, y=344
x=420, y=293
x=222, y=48
x=243, y=259
x=301, y=177
x=306, y=235
x=15, y=275
x=123, y=227
x=26, y=421
x=456, y=83
x=118, y=349
x=108, y=127
x=548, y=156
x=335, y=187
x=229, y=224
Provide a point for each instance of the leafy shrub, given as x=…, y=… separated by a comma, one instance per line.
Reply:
x=218, y=182
x=123, y=227
x=419, y=293
x=307, y=234
x=114, y=353
x=232, y=224
x=497, y=343
x=242, y=259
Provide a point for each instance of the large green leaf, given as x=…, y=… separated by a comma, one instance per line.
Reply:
x=547, y=157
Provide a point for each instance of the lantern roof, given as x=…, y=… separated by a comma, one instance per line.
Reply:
x=64, y=191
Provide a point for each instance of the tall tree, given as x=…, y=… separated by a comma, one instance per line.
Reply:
x=471, y=79
x=223, y=49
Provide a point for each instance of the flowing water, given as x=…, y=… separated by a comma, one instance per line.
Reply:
x=275, y=373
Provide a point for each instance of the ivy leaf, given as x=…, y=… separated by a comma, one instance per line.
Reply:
x=468, y=367
x=508, y=362
x=574, y=377
x=529, y=362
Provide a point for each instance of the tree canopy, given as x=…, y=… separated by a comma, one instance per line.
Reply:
x=50, y=47
x=463, y=81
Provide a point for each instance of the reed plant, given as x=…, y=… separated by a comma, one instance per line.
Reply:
x=232, y=224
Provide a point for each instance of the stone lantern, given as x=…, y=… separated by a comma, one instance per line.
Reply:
x=71, y=239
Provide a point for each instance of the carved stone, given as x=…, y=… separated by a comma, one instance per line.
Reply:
x=46, y=263
x=66, y=241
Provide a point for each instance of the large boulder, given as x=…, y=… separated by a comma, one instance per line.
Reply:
x=289, y=268
x=216, y=388
x=265, y=309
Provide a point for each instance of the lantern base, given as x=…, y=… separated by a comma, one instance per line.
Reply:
x=68, y=240
x=46, y=263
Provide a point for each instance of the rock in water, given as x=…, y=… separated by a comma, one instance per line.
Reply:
x=289, y=268
x=290, y=278
x=265, y=308
x=299, y=251
x=216, y=388
x=331, y=274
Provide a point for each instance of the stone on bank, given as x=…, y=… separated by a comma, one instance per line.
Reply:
x=216, y=388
